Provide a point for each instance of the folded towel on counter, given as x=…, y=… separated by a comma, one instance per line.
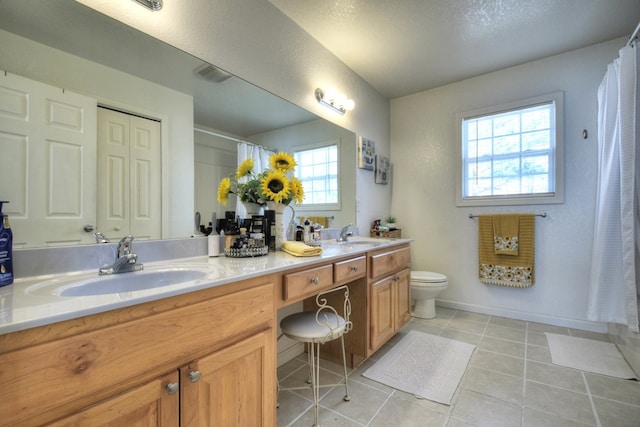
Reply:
x=300, y=249
x=507, y=270
x=505, y=234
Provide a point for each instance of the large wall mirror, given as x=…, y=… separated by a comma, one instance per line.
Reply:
x=77, y=87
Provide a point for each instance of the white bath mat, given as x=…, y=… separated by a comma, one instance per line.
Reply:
x=426, y=365
x=588, y=355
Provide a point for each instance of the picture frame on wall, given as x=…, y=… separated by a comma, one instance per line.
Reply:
x=382, y=169
x=366, y=153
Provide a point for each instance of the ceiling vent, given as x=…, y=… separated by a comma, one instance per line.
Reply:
x=211, y=73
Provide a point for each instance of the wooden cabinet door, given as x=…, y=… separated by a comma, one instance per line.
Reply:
x=151, y=404
x=231, y=387
x=382, y=312
x=403, y=298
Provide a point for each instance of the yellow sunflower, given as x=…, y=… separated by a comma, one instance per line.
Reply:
x=282, y=161
x=275, y=186
x=297, y=189
x=245, y=168
x=223, y=191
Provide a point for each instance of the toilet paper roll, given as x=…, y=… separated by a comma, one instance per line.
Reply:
x=214, y=245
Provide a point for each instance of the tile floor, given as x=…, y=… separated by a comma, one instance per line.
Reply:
x=510, y=381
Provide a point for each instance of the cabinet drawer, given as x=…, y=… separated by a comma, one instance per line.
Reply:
x=389, y=262
x=308, y=282
x=349, y=269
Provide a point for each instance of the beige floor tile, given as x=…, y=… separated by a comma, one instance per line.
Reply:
x=454, y=422
x=291, y=406
x=456, y=334
x=498, y=362
x=537, y=338
x=444, y=312
x=534, y=418
x=363, y=406
x=538, y=353
x=494, y=384
x=327, y=418
x=467, y=325
x=563, y=403
x=511, y=348
x=509, y=323
x=474, y=317
x=557, y=376
x=542, y=327
x=616, y=414
x=299, y=379
x=626, y=391
x=480, y=410
x=505, y=333
x=399, y=412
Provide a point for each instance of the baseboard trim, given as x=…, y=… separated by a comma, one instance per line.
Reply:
x=290, y=353
x=584, y=325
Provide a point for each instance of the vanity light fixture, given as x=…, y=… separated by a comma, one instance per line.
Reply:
x=151, y=4
x=338, y=103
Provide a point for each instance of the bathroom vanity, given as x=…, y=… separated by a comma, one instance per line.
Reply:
x=202, y=352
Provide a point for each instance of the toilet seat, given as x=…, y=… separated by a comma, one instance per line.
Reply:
x=426, y=277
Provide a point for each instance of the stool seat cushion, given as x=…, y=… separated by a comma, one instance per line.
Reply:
x=304, y=327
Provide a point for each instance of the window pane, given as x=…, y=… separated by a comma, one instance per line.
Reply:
x=318, y=171
x=511, y=152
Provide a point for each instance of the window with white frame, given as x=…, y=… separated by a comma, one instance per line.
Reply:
x=317, y=169
x=512, y=154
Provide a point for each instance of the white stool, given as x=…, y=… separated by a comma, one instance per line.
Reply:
x=315, y=328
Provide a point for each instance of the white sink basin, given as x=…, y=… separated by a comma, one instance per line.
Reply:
x=93, y=284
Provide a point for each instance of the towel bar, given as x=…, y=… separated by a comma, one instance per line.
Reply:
x=543, y=215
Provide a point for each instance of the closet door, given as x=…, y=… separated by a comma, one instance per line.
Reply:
x=129, y=184
x=47, y=162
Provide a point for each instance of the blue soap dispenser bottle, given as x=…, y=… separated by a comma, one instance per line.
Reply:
x=6, y=253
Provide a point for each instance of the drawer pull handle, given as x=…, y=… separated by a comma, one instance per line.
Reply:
x=194, y=376
x=172, y=388
x=354, y=268
x=315, y=280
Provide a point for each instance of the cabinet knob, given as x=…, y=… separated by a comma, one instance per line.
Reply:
x=354, y=268
x=194, y=376
x=315, y=280
x=172, y=388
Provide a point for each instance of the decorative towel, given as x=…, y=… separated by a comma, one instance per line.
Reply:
x=300, y=249
x=507, y=270
x=505, y=234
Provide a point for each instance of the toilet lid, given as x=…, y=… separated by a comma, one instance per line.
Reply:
x=427, y=277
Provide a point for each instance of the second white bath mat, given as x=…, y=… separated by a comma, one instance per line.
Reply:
x=588, y=355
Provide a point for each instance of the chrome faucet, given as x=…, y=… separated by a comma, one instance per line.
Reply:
x=345, y=233
x=125, y=260
x=101, y=238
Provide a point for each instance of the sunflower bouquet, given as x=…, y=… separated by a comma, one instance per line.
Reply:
x=276, y=184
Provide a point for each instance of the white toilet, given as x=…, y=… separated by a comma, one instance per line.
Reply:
x=425, y=287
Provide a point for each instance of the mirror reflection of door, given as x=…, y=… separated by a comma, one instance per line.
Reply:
x=47, y=158
x=129, y=183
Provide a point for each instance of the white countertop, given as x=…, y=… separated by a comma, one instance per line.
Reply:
x=26, y=304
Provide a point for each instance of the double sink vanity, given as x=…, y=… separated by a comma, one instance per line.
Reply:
x=189, y=341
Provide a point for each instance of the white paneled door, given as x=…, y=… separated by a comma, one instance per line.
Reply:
x=47, y=162
x=129, y=184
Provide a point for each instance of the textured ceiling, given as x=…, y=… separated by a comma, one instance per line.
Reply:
x=405, y=46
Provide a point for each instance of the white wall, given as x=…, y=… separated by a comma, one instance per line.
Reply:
x=424, y=189
x=255, y=41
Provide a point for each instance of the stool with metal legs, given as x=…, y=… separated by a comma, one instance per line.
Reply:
x=315, y=328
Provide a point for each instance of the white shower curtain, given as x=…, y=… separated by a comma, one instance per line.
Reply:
x=615, y=261
x=260, y=156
